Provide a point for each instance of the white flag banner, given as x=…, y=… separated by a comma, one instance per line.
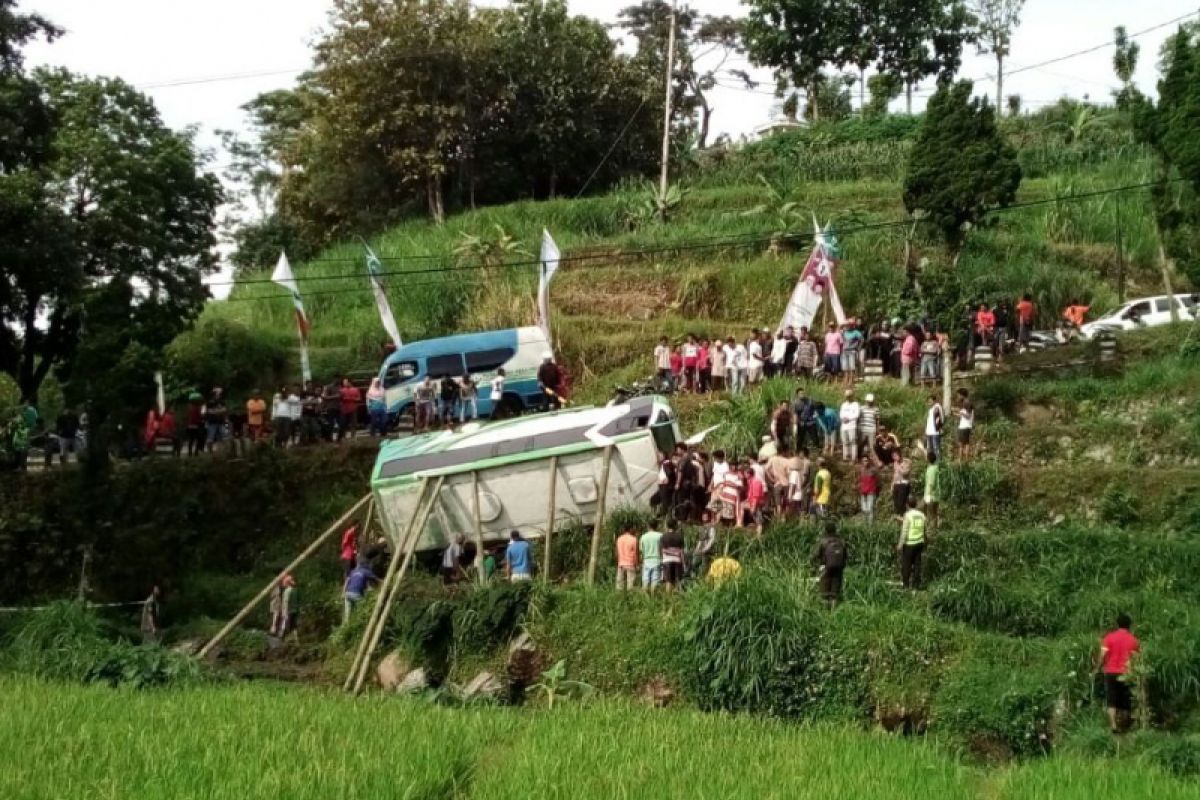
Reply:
x=284, y=276
x=160, y=394
x=815, y=284
x=546, y=269
x=375, y=271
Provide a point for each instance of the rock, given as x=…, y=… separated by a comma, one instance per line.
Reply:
x=525, y=664
x=392, y=671
x=188, y=647
x=415, y=681
x=1102, y=453
x=484, y=684
x=1059, y=519
x=657, y=694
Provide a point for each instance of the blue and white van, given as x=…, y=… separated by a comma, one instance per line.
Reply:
x=518, y=350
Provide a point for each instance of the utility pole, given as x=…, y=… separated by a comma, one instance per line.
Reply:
x=666, y=140
x=1120, y=255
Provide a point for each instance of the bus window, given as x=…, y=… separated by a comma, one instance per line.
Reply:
x=488, y=360
x=398, y=373
x=448, y=366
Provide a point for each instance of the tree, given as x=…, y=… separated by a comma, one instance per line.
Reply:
x=95, y=194
x=884, y=89
x=795, y=37
x=1168, y=128
x=922, y=38
x=996, y=20
x=713, y=39
x=960, y=166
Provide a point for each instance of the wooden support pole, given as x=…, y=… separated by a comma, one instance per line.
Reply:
x=550, y=511
x=393, y=565
x=601, y=502
x=385, y=602
x=477, y=530
x=947, y=380
x=297, y=561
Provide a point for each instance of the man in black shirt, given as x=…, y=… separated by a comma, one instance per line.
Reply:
x=548, y=379
x=830, y=556
x=215, y=416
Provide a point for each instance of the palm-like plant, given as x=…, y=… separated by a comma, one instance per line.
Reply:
x=489, y=250
x=783, y=214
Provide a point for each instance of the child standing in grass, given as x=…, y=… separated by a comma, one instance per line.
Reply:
x=627, y=560
x=650, y=549
x=662, y=361
x=966, y=424
x=868, y=488
x=756, y=495
x=933, y=489
x=822, y=489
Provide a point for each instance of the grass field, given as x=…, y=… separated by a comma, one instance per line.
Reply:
x=250, y=742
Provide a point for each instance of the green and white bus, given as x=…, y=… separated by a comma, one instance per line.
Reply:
x=511, y=461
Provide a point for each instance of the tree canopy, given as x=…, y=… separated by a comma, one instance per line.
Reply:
x=106, y=220
x=960, y=166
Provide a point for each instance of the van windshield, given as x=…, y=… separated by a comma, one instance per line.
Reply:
x=398, y=373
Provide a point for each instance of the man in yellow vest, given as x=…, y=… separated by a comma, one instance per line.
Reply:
x=911, y=545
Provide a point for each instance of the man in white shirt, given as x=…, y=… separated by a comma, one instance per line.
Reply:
x=496, y=394
x=735, y=366
x=720, y=469
x=754, y=371
x=778, y=352
x=850, y=413
x=935, y=418
x=662, y=361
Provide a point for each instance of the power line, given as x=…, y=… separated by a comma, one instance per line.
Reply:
x=739, y=241
x=612, y=147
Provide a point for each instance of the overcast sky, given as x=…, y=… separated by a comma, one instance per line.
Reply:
x=194, y=56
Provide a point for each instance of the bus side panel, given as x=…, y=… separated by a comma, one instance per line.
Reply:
x=514, y=497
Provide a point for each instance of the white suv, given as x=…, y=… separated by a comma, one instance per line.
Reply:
x=1146, y=312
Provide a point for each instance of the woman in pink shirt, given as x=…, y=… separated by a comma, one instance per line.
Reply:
x=910, y=351
x=833, y=350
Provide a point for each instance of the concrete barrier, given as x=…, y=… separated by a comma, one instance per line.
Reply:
x=983, y=359
x=1108, y=348
x=874, y=371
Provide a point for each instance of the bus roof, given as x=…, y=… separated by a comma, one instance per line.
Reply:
x=467, y=342
x=521, y=439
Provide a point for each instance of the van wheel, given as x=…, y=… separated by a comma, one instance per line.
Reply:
x=508, y=408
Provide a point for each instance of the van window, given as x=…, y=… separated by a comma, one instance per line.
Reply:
x=398, y=373
x=664, y=437
x=1138, y=309
x=1162, y=305
x=488, y=360
x=450, y=366
x=1189, y=301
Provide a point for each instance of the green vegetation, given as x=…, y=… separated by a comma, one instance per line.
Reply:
x=255, y=741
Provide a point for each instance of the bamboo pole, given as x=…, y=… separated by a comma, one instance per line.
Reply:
x=601, y=501
x=550, y=516
x=297, y=561
x=386, y=602
x=478, y=526
x=391, y=570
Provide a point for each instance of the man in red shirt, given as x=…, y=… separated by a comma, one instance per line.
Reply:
x=349, y=399
x=1025, y=314
x=1116, y=651
x=349, y=548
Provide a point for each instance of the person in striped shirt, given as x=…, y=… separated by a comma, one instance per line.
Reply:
x=868, y=423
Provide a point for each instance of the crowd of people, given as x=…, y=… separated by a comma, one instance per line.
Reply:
x=913, y=353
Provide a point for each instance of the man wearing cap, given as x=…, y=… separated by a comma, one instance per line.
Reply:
x=548, y=378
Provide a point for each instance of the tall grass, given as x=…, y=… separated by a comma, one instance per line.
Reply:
x=230, y=743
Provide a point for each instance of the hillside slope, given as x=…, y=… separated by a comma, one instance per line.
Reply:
x=625, y=279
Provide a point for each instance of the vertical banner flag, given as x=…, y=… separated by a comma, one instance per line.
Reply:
x=816, y=283
x=375, y=271
x=284, y=277
x=546, y=268
x=160, y=395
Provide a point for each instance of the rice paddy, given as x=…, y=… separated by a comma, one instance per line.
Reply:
x=263, y=741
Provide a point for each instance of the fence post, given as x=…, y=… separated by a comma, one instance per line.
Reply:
x=550, y=511
x=601, y=502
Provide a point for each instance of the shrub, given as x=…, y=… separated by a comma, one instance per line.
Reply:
x=1119, y=506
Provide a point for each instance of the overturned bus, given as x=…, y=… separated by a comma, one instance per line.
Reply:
x=505, y=469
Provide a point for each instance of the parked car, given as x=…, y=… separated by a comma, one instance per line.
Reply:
x=1145, y=312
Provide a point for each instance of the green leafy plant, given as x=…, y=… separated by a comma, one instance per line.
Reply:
x=554, y=685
